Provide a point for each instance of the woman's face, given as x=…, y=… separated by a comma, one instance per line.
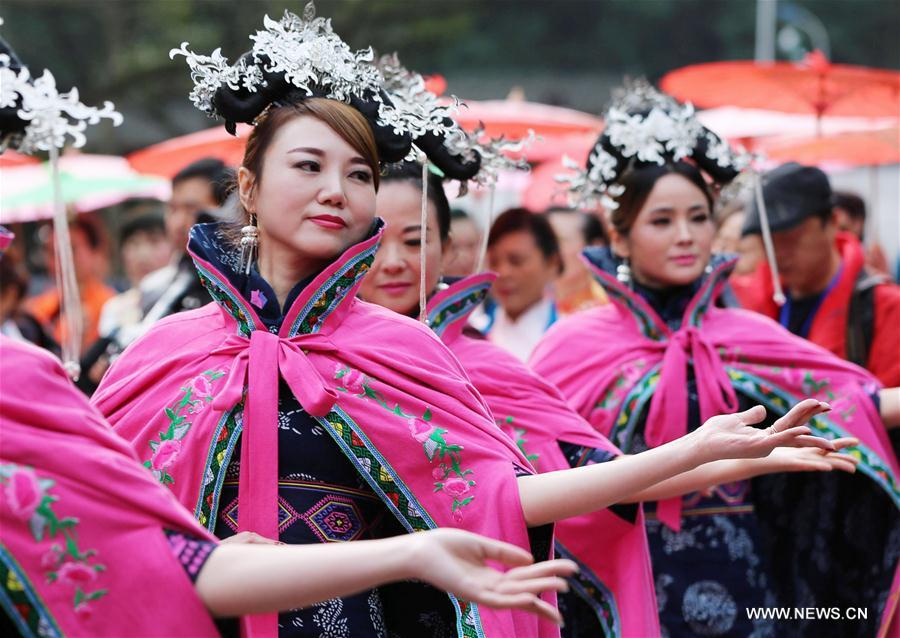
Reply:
x=316, y=194
x=393, y=281
x=523, y=272
x=671, y=239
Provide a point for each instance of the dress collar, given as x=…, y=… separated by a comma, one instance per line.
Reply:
x=313, y=305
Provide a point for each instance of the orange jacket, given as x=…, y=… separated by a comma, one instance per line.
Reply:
x=45, y=308
x=829, y=326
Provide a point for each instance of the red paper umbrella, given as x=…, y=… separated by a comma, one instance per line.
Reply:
x=514, y=118
x=169, y=157
x=814, y=86
x=9, y=159
x=865, y=148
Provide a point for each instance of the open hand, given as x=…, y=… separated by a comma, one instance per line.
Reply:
x=457, y=561
x=733, y=436
x=812, y=459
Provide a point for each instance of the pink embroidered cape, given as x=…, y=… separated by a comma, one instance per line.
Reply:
x=614, y=361
x=388, y=392
x=616, y=579
x=83, y=550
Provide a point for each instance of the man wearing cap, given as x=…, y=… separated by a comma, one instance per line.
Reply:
x=831, y=300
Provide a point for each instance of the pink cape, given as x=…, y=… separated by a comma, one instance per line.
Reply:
x=389, y=393
x=83, y=549
x=609, y=362
x=616, y=579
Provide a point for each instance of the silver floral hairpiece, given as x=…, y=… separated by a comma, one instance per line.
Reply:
x=309, y=54
x=410, y=96
x=648, y=126
x=52, y=117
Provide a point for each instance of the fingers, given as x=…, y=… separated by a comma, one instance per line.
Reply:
x=533, y=585
x=527, y=602
x=505, y=553
x=843, y=462
x=754, y=415
x=557, y=567
x=845, y=442
x=806, y=440
x=800, y=414
x=799, y=436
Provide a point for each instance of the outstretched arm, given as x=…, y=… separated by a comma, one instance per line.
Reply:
x=889, y=402
x=251, y=578
x=595, y=487
x=783, y=459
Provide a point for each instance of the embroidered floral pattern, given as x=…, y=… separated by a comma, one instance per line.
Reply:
x=30, y=501
x=450, y=476
x=196, y=396
x=521, y=441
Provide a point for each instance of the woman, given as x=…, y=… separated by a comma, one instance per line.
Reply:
x=614, y=591
x=777, y=541
x=52, y=582
x=524, y=252
x=379, y=427
x=87, y=532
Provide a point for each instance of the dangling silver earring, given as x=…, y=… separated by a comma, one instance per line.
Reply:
x=708, y=270
x=249, y=244
x=441, y=284
x=623, y=273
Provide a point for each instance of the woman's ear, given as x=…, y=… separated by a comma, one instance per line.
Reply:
x=247, y=189
x=619, y=244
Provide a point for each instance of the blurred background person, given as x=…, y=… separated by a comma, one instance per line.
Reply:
x=144, y=248
x=462, y=258
x=91, y=265
x=576, y=289
x=15, y=321
x=524, y=252
x=831, y=300
x=850, y=216
x=200, y=187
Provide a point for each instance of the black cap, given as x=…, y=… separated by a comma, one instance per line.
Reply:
x=792, y=194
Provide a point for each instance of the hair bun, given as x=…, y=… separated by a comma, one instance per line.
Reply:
x=453, y=166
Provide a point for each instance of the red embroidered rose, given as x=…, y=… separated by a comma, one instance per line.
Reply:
x=456, y=487
x=76, y=574
x=166, y=453
x=419, y=429
x=23, y=493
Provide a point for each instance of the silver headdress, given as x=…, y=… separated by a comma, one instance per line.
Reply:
x=645, y=126
x=51, y=118
x=37, y=117
x=304, y=56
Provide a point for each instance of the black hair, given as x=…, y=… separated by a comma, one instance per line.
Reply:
x=411, y=172
x=458, y=213
x=850, y=202
x=148, y=223
x=522, y=219
x=592, y=230
x=214, y=171
x=243, y=105
x=91, y=232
